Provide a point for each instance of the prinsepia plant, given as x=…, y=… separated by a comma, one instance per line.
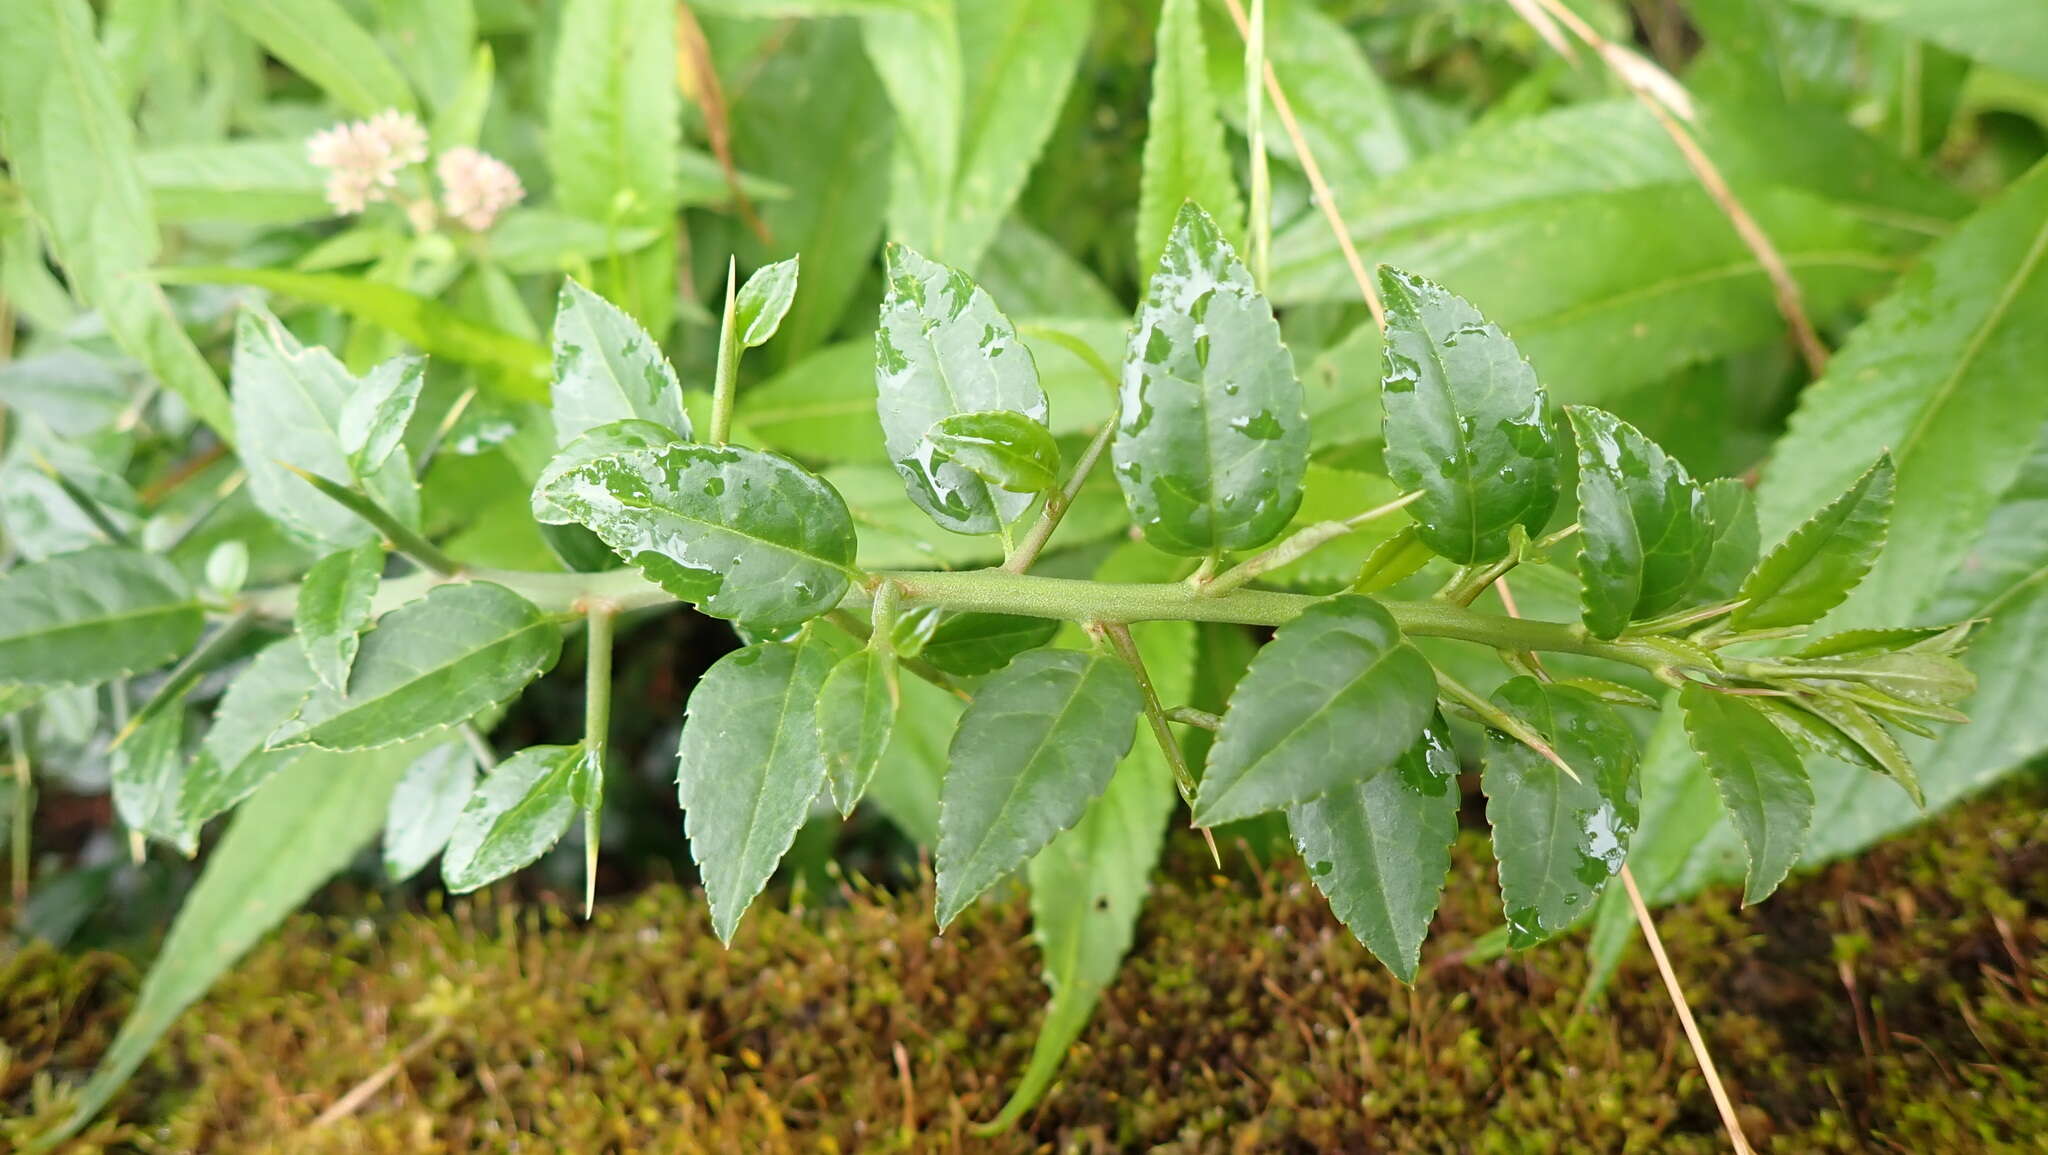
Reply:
x=1340, y=723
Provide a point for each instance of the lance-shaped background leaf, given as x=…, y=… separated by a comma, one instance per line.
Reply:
x=608, y=369
x=1644, y=529
x=288, y=403
x=334, y=609
x=1211, y=441
x=742, y=534
x=1465, y=423
x=1379, y=851
x=749, y=766
x=1762, y=782
x=1037, y=744
x=1185, y=157
x=1820, y=563
x=944, y=348
x=1558, y=840
x=430, y=664
x=520, y=809
x=1336, y=697
x=85, y=617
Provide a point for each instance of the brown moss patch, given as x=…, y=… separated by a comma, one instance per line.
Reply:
x=1895, y=1003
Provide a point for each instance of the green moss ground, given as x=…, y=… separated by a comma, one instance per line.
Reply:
x=1897, y=1003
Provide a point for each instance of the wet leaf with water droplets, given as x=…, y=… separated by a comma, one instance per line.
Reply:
x=601, y=441
x=749, y=766
x=741, y=534
x=1038, y=743
x=1335, y=698
x=608, y=369
x=1558, y=841
x=943, y=348
x=1465, y=423
x=520, y=809
x=1005, y=449
x=1380, y=850
x=1762, y=781
x=1211, y=442
x=1645, y=532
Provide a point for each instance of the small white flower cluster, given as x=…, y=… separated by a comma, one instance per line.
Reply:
x=364, y=159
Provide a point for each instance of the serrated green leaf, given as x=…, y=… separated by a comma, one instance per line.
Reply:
x=334, y=609
x=233, y=760
x=598, y=441
x=1038, y=743
x=1872, y=641
x=856, y=716
x=1731, y=510
x=614, y=141
x=1185, y=158
x=1644, y=532
x=944, y=348
x=1211, y=441
x=428, y=665
x=1818, y=564
x=1380, y=851
x=1465, y=423
x=608, y=369
x=84, y=617
x=293, y=836
x=742, y=534
x=974, y=643
x=1089, y=882
x=1006, y=449
x=763, y=301
x=1763, y=784
x=1335, y=698
x=749, y=766
x=426, y=806
x=520, y=809
x=1874, y=747
x=288, y=402
x=1558, y=841
x=148, y=772
x=373, y=418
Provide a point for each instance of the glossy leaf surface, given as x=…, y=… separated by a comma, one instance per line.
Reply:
x=1817, y=565
x=742, y=534
x=1465, y=423
x=85, y=617
x=1211, y=441
x=520, y=810
x=1335, y=698
x=1762, y=781
x=856, y=715
x=749, y=766
x=1038, y=743
x=1645, y=531
x=428, y=665
x=972, y=643
x=764, y=301
x=1008, y=450
x=944, y=348
x=1380, y=850
x=1731, y=510
x=1558, y=841
x=606, y=369
x=334, y=609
